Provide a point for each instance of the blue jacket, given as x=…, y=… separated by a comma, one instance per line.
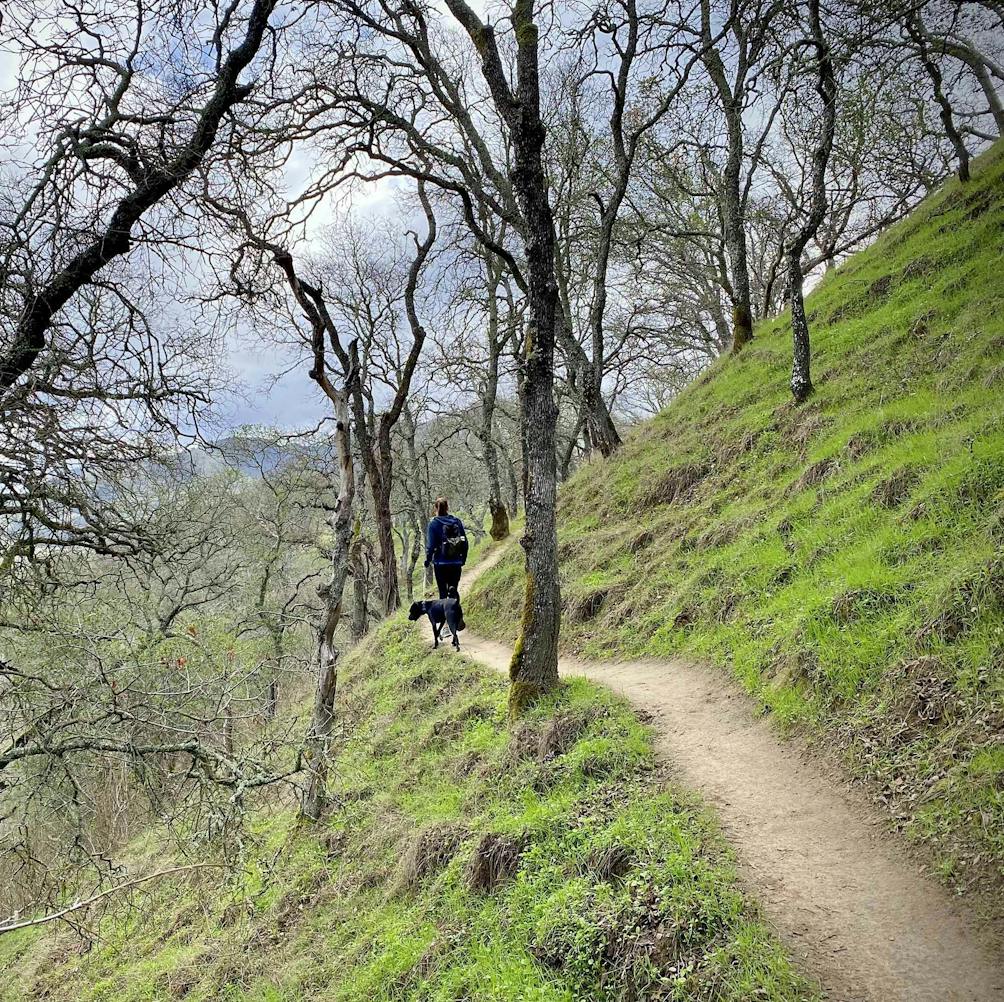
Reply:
x=434, y=537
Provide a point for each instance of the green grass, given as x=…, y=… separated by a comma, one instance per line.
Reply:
x=608, y=881
x=845, y=559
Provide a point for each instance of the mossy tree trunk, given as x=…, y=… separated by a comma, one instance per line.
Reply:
x=826, y=89
x=534, y=667
x=730, y=98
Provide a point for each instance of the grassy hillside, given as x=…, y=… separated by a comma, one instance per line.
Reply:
x=845, y=558
x=460, y=860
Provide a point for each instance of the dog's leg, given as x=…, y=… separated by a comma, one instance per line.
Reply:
x=452, y=621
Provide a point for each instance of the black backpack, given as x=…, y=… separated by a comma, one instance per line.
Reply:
x=454, y=545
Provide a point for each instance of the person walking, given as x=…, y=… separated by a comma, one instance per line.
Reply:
x=445, y=546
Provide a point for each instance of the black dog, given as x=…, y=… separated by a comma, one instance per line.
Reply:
x=441, y=611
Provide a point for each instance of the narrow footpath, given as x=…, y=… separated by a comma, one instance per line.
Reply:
x=854, y=910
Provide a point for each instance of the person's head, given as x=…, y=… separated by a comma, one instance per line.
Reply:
x=441, y=507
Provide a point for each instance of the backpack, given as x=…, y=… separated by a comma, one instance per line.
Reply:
x=453, y=548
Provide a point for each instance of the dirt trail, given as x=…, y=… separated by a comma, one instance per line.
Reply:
x=854, y=911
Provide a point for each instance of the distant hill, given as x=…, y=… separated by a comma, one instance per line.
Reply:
x=253, y=455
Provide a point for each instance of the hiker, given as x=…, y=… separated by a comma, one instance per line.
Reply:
x=445, y=546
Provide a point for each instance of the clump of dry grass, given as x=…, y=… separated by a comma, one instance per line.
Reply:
x=430, y=850
x=675, y=485
x=494, y=861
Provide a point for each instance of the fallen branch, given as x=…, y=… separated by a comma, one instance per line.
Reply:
x=27, y=923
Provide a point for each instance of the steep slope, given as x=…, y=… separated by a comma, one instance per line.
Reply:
x=459, y=860
x=845, y=558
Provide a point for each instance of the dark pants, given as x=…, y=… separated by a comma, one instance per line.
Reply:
x=446, y=575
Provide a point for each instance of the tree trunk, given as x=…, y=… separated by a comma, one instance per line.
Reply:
x=986, y=82
x=359, y=620
x=500, y=520
x=513, y=485
x=414, y=554
x=603, y=432
x=500, y=517
x=319, y=735
x=390, y=591
x=567, y=454
x=402, y=571
x=534, y=666
x=589, y=389
x=733, y=216
x=734, y=222
x=966, y=53
x=826, y=89
x=801, y=359
x=417, y=492
x=317, y=740
x=915, y=28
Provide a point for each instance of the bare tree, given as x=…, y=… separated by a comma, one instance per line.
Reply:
x=126, y=697
x=127, y=153
x=952, y=42
x=324, y=335
x=914, y=26
x=479, y=345
x=622, y=49
x=748, y=28
x=370, y=300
